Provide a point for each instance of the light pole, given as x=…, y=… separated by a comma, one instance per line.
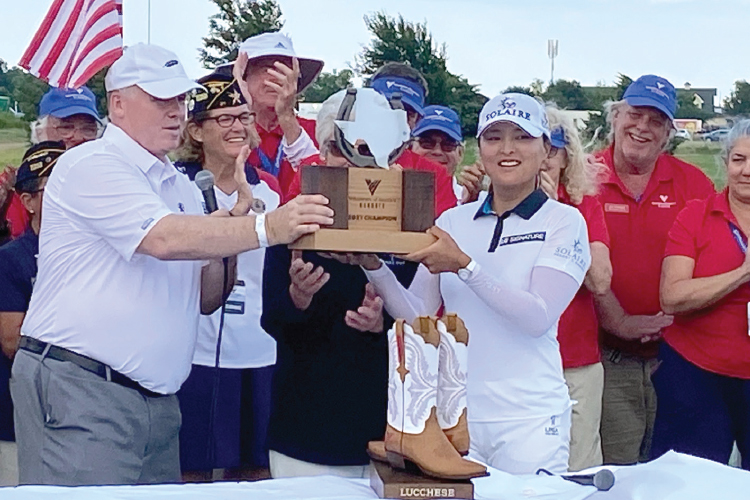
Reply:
x=552, y=53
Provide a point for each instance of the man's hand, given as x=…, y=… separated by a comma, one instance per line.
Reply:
x=547, y=185
x=283, y=80
x=642, y=327
x=369, y=316
x=238, y=72
x=471, y=178
x=303, y=215
x=369, y=261
x=442, y=256
x=306, y=280
x=244, y=191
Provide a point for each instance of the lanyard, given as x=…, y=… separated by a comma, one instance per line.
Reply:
x=272, y=168
x=739, y=237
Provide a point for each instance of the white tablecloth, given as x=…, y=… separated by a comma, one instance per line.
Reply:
x=672, y=477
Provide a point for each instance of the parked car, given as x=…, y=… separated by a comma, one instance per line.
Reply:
x=717, y=135
x=683, y=133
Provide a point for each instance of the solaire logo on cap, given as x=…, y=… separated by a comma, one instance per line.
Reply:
x=508, y=107
x=171, y=63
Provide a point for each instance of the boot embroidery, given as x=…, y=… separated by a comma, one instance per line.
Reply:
x=451, y=397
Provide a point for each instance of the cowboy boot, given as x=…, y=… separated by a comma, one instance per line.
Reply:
x=452, y=374
x=413, y=434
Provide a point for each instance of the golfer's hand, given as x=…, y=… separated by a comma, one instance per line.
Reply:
x=303, y=215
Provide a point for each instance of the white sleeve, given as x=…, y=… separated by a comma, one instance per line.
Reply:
x=421, y=299
x=113, y=199
x=566, y=247
x=531, y=311
x=300, y=149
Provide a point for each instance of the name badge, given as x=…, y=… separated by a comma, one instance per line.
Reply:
x=617, y=208
x=236, y=301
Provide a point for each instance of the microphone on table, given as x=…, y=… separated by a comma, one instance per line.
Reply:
x=603, y=480
x=205, y=182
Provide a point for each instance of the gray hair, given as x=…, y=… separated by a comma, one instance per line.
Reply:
x=37, y=126
x=611, y=108
x=740, y=130
x=324, y=126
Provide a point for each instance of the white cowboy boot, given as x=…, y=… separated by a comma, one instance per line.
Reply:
x=413, y=433
x=452, y=377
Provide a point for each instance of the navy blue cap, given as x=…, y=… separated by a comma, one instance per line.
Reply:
x=653, y=91
x=412, y=93
x=37, y=162
x=440, y=118
x=63, y=103
x=557, y=138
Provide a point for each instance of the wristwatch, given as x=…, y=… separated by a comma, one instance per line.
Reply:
x=466, y=272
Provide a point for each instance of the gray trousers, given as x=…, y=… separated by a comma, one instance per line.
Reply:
x=75, y=428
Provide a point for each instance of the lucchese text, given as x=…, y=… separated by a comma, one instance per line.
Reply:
x=427, y=492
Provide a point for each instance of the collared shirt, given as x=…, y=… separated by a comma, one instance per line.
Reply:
x=714, y=338
x=638, y=229
x=513, y=374
x=271, y=155
x=578, y=331
x=94, y=294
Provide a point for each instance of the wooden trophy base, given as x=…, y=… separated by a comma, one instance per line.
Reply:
x=392, y=483
x=353, y=240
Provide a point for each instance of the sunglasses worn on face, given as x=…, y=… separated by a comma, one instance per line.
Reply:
x=334, y=150
x=445, y=146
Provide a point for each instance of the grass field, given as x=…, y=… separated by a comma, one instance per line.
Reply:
x=705, y=155
x=13, y=143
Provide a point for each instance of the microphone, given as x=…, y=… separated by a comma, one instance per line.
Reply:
x=603, y=480
x=205, y=182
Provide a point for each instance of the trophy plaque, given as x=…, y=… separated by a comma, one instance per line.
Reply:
x=391, y=483
x=375, y=210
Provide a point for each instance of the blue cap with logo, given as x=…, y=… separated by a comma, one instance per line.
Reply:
x=653, y=91
x=521, y=109
x=440, y=118
x=412, y=93
x=557, y=138
x=63, y=103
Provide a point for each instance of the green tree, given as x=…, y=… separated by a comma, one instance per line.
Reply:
x=566, y=94
x=328, y=84
x=396, y=39
x=27, y=90
x=518, y=89
x=686, y=108
x=738, y=102
x=621, y=84
x=236, y=21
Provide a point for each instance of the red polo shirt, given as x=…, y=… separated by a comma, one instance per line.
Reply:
x=270, y=142
x=445, y=198
x=638, y=230
x=578, y=330
x=714, y=338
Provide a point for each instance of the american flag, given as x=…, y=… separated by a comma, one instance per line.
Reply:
x=76, y=39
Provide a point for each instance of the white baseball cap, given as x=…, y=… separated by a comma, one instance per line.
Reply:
x=521, y=109
x=276, y=44
x=156, y=70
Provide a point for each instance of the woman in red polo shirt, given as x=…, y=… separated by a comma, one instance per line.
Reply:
x=703, y=380
x=572, y=177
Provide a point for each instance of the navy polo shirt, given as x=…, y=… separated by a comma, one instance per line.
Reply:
x=17, y=273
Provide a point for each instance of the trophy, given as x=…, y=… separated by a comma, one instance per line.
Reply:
x=377, y=209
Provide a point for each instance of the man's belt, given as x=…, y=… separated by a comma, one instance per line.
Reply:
x=88, y=364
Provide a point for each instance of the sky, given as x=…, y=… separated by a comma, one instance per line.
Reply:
x=493, y=43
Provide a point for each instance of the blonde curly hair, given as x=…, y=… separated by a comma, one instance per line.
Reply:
x=582, y=174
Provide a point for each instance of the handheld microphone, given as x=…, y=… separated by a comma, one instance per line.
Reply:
x=205, y=182
x=603, y=480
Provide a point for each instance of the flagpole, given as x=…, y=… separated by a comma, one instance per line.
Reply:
x=149, y=22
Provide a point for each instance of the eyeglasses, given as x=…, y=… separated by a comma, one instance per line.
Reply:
x=226, y=121
x=68, y=130
x=445, y=146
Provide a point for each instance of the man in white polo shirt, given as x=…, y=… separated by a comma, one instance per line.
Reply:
x=111, y=328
